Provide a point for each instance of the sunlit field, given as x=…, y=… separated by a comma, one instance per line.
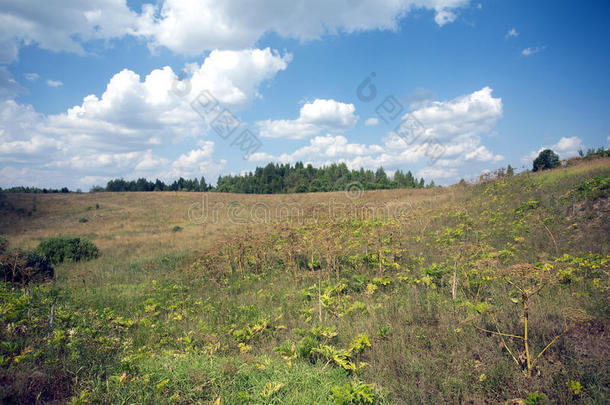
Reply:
x=488, y=292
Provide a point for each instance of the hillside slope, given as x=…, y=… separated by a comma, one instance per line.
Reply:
x=395, y=296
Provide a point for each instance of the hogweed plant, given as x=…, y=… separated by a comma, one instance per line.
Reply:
x=527, y=281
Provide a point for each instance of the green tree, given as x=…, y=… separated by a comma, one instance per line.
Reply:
x=202, y=184
x=381, y=178
x=547, y=159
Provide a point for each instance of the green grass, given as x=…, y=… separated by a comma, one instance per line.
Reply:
x=175, y=377
x=271, y=315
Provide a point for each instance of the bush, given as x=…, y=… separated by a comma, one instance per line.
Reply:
x=176, y=228
x=592, y=189
x=82, y=220
x=39, y=267
x=18, y=266
x=547, y=159
x=60, y=249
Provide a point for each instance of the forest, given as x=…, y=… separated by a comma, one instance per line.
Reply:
x=280, y=179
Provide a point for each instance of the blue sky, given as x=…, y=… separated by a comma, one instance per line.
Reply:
x=88, y=89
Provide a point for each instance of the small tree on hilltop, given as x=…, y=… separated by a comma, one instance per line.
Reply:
x=547, y=159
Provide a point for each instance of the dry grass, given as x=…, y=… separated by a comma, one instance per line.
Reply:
x=141, y=222
x=423, y=281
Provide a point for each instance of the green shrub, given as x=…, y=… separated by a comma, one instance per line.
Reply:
x=176, y=228
x=39, y=267
x=547, y=159
x=82, y=220
x=355, y=392
x=592, y=189
x=534, y=398
x=18, y=266
x=305, y=346
x=60, y=249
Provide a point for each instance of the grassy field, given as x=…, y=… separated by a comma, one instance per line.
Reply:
x=491, y=292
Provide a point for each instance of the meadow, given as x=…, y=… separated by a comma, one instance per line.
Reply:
x=490, y=292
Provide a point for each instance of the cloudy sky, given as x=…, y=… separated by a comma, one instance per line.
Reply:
x=97, y=89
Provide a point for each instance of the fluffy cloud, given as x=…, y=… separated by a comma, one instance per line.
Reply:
x=456, y=124
x=60, y=25
x=135, y=114
x=329, y=115
x=21, y=139
x=121, y=132
x=444, y=16
x=194, y=26
x=117, y=133
x=323, y=148
x=566, y=147
x=371, y=122
x=195, y=162
x=482, y=154
x=464, y=116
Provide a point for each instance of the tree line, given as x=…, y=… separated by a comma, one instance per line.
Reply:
x=278, y=179
x=34, y=190
x=142, y=184
x=285, y=178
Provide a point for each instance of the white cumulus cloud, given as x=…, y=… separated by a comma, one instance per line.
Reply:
x=123, y=131
x=444, y=16
x=60, y=25
x=323, y=148
x=457, y=125
x=194, y=26
x=314, y=117
x=466, y=115
x=566, y=147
